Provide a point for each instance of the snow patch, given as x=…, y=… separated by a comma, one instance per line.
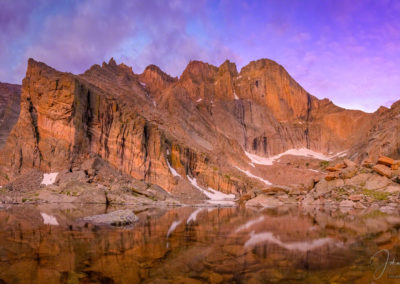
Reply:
x=299, y=246
x=222, y=202
x=173, y=171
x=194, y=214
x=340, y=155
x=49, y=179
x=49, y=220
x=236, y=96
x=294, y=152
x=216, y=197
x=249, y=224
x=199, y=100
x=253, y=176
x=143, y=84
x=173, y=227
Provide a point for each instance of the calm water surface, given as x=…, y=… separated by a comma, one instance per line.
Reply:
x=199, y=245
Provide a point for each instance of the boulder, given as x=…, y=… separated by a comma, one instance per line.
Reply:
x=67, y=177
x=348, y=173
x=367, y=164
x=325, y=186
x=331, y=176
x=360, y=179
x=347, y=203
x=336, y=168
x=340, y=166
x=355, y=197
x=393, y=189
x=376, y=182
x=91, y=164
x=383, y=160
x=274, y=189
x=115, y=218
x=395, y=167
x=349, y=163
x=382, y=170
x=264, y=201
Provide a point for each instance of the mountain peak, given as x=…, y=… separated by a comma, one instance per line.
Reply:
x=261, y=64
x=112, y=62
x=155, y=78
x=38, y=67
x=198, y=70
x=154, y=70
x=228, y=66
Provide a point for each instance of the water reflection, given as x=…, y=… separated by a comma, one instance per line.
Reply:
x=45, y=243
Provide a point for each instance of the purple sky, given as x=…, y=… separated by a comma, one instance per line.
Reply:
x=345, y=50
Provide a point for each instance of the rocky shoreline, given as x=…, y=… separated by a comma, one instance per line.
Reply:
x=94, y=182
x=346, y=185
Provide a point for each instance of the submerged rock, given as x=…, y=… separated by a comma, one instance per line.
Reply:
x=115, y=218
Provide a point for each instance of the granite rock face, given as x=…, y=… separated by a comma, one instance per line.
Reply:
x=9, y=108
x=383, y=135
x=161, y=129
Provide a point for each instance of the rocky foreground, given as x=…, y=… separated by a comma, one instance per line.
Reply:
x=339, y=183
x=94, y=182
x=346, y=184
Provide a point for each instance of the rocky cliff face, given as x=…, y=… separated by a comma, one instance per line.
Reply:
x=382, y=137
x=9, y=109
x=162, y=129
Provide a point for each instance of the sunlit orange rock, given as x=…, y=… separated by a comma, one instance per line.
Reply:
x=382, y=170
x=385, y=161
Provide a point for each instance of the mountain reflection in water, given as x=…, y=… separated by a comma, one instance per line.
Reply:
x=46, y=244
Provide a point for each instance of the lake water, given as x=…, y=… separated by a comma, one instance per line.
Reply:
x=199, y=245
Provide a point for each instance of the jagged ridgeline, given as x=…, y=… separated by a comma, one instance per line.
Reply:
x=162, y=130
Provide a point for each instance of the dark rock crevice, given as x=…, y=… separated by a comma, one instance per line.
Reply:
x=308, y=118
x=239, y=114
x=34, y=123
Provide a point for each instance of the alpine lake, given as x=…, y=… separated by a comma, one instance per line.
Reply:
x=49, y=243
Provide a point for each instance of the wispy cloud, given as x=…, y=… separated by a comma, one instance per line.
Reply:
x=348, y=51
